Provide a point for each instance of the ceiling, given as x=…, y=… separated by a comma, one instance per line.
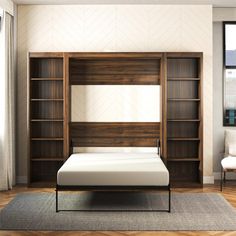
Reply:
x=215, y=3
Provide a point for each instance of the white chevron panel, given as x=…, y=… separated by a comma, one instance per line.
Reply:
x=115, y=103
x=113, y=28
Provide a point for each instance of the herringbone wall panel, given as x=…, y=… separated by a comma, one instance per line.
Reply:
x=115, y=103
x=113, y=28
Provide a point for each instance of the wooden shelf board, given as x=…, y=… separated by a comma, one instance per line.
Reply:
x=184, y=99
x=182, y=79
x=185, y=184
x=183, y=120
x=183, y=159
x=48, y=138
x=47, y=159
x=42, y=184
x=183, y=139
x=46, y=99
x=46, y=120
x=50, y=79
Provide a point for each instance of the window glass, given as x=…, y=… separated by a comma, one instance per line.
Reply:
x=229, y=73
x=230, y=44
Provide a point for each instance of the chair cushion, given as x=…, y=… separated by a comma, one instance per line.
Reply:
x=230, y=142
x=229, y=163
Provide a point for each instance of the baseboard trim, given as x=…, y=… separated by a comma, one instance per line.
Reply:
x=208, y=179
x=229, y=175
x=21, y=179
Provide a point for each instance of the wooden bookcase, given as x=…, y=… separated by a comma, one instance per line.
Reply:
x=46, y=119
x=182, y=118
x=49, y=79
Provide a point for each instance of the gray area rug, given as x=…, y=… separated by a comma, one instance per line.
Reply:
x=190, y=211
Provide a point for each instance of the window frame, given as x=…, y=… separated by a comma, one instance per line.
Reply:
x=225, y=67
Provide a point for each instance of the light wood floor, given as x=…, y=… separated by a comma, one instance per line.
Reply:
x=229, y=193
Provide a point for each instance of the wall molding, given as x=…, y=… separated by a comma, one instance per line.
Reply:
x=229, y=175
x=208, y=179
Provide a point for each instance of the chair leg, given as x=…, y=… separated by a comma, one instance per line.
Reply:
x=57, y=200
x=224, y=176
x=221, y=179
x=169, y=209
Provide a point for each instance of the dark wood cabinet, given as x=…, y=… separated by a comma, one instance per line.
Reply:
x=183, y=118
x=46, y=119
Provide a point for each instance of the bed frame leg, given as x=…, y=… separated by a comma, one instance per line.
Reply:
x=57, y=199
x=169, y=210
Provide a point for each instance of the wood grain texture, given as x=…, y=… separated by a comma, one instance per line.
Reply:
x=45, y=102
x=91, y=55
x=66, y=107
x=114, y=71
x=184, y=54
x=114, y=134
x=45, y=54
x=114, y=79
x=183, y=98
x=229, y=193
x=46, y=67
x=47, y=89
x=182, y=67
x=114, y=142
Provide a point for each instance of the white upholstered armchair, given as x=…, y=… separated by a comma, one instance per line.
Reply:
x=228, y=163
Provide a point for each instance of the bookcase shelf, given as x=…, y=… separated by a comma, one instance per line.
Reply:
x=47, y=138
x=183, y=119
x=184, y=99
x=183, y=159
x=47, y=159
x=46, y=99
x=183, y=139
x=183, y=79
x=46, y=118
x=50, y=79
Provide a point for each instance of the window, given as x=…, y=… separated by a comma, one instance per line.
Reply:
x=229, y=69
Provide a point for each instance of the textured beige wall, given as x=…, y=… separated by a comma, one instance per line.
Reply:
x=114, y=28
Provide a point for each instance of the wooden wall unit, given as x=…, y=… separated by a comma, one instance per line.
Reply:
x=46, y=117
x=182, y=118
x=52, y=135
x=114, y=134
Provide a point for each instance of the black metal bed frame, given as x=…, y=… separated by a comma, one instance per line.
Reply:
x=114, y=188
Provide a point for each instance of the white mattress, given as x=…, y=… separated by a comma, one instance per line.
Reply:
x=117, y=169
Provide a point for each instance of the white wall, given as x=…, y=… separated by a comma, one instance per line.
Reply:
x=224, y=14
x=118, y=28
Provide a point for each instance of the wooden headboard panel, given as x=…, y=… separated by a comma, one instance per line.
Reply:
x=114, y=134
